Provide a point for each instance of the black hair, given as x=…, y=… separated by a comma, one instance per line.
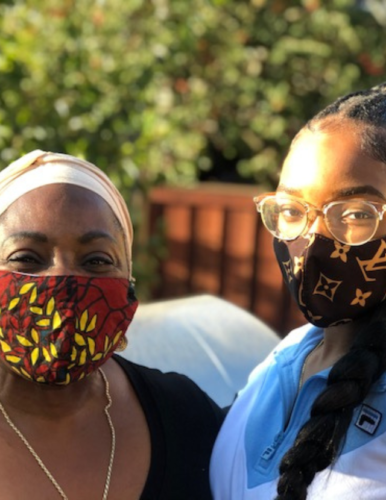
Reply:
x=366, y=110
x=320, y=440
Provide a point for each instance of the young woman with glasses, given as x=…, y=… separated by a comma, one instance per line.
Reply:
x=311, y=423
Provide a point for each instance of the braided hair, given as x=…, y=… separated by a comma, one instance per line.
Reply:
x=321, y=439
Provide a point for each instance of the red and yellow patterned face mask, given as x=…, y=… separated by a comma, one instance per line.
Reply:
x=59, y=329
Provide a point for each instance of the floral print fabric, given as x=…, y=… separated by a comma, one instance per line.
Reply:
x=59, y=329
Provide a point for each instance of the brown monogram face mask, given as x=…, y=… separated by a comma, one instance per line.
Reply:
x=333, y=283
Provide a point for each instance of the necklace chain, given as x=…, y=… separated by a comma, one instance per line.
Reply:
x=40, y=461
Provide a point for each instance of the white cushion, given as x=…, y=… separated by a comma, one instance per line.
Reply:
x=210, y=340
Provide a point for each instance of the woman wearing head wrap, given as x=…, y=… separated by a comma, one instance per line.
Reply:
x=76, y=420
x=311, y=422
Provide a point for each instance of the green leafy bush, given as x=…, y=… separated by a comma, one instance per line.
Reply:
x=153, y=91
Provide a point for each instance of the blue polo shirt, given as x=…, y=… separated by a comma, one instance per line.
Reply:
x=265, y=419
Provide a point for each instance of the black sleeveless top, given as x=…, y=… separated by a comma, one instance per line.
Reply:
x=183, y=423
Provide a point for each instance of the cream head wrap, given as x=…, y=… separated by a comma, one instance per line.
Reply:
x=40, y=168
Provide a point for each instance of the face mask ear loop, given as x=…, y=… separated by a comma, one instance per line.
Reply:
x=304, y=270
x=122, y=344
x=131, y=297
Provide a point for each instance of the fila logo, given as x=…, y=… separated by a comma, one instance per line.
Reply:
x=368, y=419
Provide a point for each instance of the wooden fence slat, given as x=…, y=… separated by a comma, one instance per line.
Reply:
x=217, y=244
x=207, y=249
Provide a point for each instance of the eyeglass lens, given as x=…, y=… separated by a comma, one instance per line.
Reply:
x=352, y=222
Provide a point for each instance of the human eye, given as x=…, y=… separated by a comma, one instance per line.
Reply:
x=98, y=262
x=24, y=261
x=357, y=215
x=291, y=212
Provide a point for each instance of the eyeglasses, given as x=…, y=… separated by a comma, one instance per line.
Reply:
x=352, y=222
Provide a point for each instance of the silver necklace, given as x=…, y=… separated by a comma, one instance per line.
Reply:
x=40, y=461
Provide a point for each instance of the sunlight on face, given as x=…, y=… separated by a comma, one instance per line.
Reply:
x=61, y=229
x=331, y=165
x=325, y=166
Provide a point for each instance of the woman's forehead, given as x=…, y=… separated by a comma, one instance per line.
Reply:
x=63, y=203
x=330, y=161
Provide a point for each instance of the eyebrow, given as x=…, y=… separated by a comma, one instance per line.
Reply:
x=31, y=235
x=339, y=193
x=95, y=235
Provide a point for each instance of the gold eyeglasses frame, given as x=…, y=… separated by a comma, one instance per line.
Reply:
x=378, y=207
